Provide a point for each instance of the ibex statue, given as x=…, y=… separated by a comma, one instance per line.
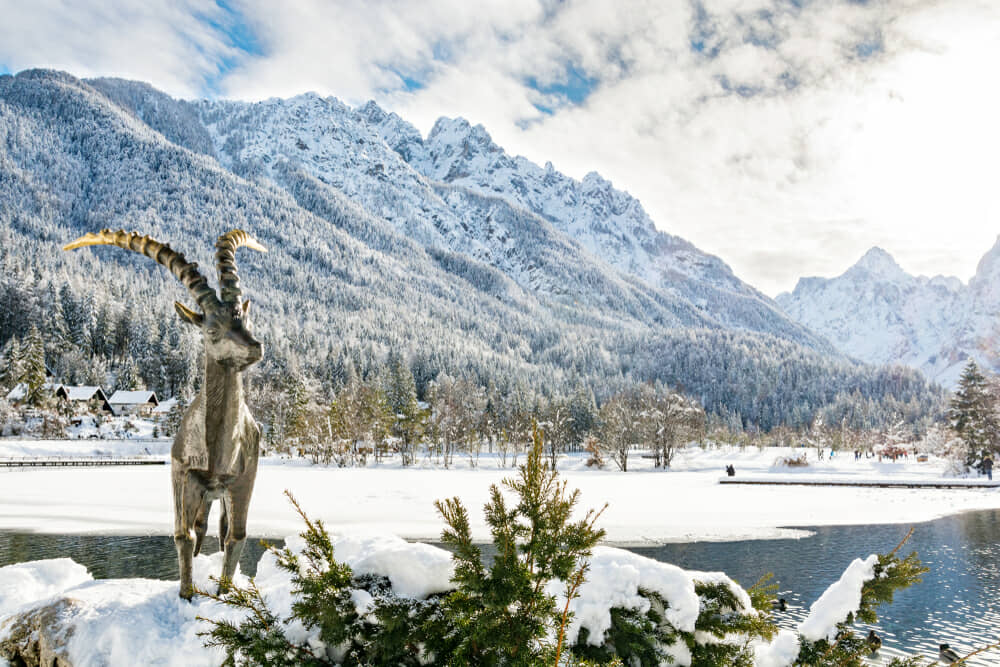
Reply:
x=215, y=452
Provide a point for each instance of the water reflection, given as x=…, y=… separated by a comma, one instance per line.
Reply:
x=957, y=603
x=117, y=556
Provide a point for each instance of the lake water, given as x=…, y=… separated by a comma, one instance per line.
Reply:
x=958, y=601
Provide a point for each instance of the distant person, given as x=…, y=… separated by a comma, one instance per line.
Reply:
x=730, y=470
x=988, y=467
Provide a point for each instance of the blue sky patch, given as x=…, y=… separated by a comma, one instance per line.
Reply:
x=575, y=87
x=236, y=27
x=239, y=34
x=4, y=69
x=704, y=39
x=442, y=51
x=412, y=81
x=870, y=46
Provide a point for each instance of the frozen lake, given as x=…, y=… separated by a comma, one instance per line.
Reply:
x=957, y=603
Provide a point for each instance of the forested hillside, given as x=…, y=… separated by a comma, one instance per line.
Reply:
x=444, y=276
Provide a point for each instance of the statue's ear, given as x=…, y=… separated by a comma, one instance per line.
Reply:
x=246, y=308
x=188, y=315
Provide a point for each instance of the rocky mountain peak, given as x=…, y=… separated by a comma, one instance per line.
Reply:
x=880, y=265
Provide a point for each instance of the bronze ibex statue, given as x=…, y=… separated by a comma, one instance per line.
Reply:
x=215, y=452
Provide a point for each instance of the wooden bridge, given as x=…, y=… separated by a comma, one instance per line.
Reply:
x=78, y=461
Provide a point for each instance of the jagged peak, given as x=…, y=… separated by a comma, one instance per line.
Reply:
x=372, y=112
x=879, y=263
x=593, y=180
x=457, y=129
x=312, y=96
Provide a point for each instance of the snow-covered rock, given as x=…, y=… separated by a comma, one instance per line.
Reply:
x=876, y=312
x=67, y=618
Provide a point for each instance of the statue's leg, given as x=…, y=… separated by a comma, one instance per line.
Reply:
x=237, y=504
x=223, y=524
x=201, y=525
x=189, y=496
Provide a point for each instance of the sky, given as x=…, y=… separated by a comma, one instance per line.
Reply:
x=785, y=136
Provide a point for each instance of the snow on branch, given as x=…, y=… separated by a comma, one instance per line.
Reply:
x=842, y=598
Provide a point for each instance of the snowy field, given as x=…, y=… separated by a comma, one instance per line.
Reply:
x=646, y=506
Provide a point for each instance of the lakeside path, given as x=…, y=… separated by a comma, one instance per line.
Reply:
x=645, y=506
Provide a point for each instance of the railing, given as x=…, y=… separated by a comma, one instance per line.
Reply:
x=886, y=483
x=78, y=461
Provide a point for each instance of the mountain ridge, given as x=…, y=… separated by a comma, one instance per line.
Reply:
x=321, y=136
x=368, y=258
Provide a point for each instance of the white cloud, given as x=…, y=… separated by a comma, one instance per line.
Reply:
x=172, y=45
x=790, y=143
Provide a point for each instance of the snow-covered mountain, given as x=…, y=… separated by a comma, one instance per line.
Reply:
x=878, y=313
x=609, y=224
x=371, y=256
x=457, y=191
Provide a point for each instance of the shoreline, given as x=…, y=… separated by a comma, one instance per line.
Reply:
x=646, y=507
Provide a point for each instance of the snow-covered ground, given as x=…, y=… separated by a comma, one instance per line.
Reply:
x=645, y=506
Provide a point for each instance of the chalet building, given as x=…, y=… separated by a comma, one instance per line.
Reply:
x=82, y=396
x=164, y=408
x=133, y=402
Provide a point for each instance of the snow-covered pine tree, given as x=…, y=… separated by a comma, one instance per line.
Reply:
x=10, y=364
x=583, y=412
x=172, y=422
x=128, y=378
x=78, y=315
x=972, y=414
x=33, y=366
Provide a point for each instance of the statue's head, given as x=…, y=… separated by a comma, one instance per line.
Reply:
x=228, y=340
x=221, y=317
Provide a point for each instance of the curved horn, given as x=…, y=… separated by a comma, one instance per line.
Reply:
x=225, y=262
x=185, y=271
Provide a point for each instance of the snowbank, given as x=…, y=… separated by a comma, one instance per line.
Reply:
x=141, y=621
x=30, y=582
x=114, y=621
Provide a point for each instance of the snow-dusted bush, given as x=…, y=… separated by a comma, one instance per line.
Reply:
x=791, y=461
